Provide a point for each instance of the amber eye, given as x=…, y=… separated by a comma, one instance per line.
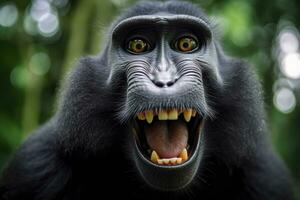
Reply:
x=138, y=45
x=186, y=44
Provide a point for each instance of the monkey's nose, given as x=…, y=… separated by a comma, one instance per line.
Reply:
x=164, y=84
x=164, y=80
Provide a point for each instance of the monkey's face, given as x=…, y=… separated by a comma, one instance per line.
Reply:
x=163, y=59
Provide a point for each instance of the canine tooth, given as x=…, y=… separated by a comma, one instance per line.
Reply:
x=149, y=116
x=187, y=115
x=173, y=114
x=194, y=113
x=178, y=161
x=141, y=116
x=184, y=155
x=154, y=157
x=162, y=115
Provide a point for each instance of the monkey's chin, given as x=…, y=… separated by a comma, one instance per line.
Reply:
x=169, y=177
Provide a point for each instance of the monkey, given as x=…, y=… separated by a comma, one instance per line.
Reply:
x=160, y=112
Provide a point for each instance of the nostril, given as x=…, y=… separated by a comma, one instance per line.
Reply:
x=170, y=83
x=159, y=84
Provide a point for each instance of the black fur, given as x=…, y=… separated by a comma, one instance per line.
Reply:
x=83, y=151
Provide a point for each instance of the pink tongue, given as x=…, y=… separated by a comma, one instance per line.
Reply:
x=167, y=138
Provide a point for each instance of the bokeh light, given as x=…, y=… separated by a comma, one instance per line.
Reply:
x=19, y=77
x=290, y=65
x=42, y=18
x=288, y=42
x=286, y=52
x=284, y=100
x=29, y=25
x=39, y=8
x=48, y=25
x=8, y=15
x=283, y=82
x=40, y=63
x=236, y=23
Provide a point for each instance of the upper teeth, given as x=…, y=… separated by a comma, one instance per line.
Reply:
x=187, y=115
x=173, y=114
x=166, y=115
x=149, y=116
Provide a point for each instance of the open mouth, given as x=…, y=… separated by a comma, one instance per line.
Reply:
x=167, y=137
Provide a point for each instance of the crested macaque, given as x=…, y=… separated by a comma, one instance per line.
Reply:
x=160, y=113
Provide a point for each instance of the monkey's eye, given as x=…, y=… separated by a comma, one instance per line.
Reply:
x=186, y=44
x=138, y=45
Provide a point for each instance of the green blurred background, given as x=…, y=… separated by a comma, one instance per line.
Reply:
x=41, y=39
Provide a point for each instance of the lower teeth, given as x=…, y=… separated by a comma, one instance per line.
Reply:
x=169, y=161
x=183, y=156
